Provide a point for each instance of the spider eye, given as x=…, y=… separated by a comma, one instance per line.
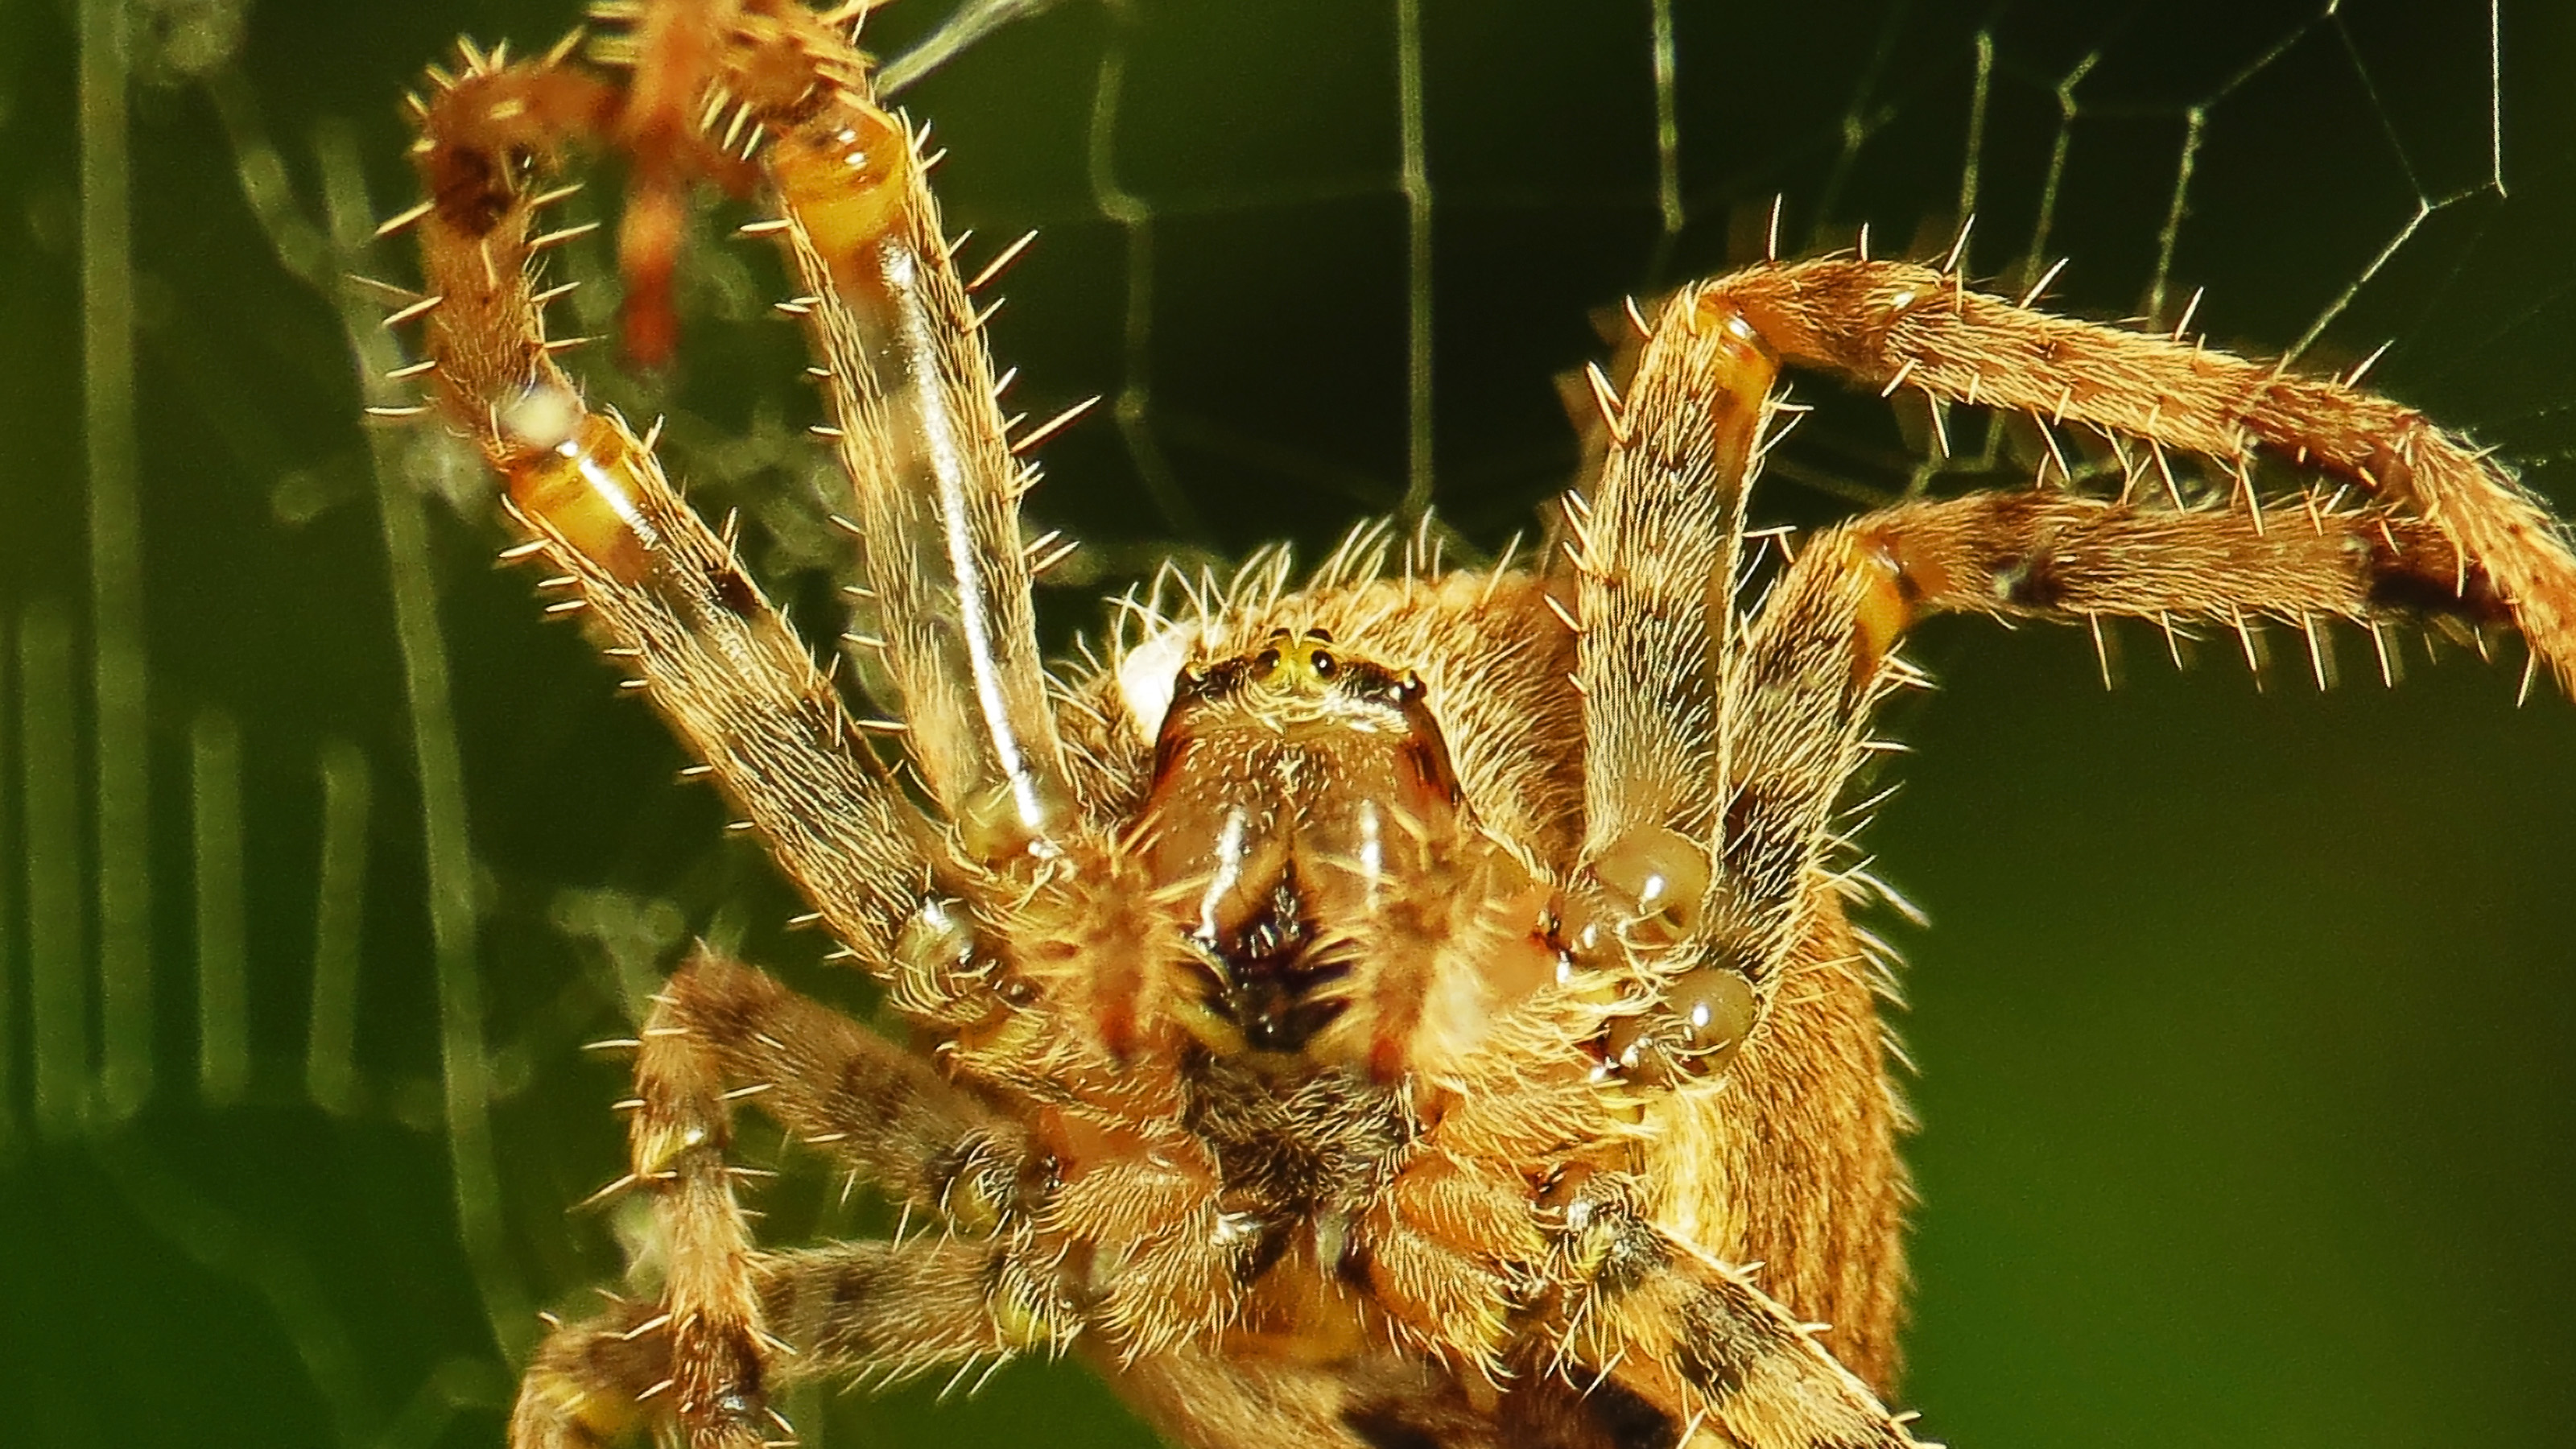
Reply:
x=1323, y=664
x=1267, y=661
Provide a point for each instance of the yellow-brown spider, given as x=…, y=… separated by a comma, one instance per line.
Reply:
x=1412, y=1008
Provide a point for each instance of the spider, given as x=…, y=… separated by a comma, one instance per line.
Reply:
x=1393, y=1007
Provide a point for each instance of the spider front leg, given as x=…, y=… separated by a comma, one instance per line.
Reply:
x=935, y=473
x=1654, y=556
x=936, y=482
x=1663, y=885
x=733, y=1322
x=1897, y=324
x=665, y=593
x=1817, y=656
x=1796, y=1165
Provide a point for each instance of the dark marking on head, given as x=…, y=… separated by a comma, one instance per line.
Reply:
x=1264, y=979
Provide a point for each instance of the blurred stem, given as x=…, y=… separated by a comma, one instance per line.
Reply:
x=115, y=565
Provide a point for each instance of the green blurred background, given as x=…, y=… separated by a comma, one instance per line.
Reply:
x=2246, y=1019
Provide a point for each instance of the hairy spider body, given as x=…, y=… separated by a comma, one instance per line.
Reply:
x=1410, y=1008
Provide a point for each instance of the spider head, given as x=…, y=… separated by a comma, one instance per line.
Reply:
x=1297, y=788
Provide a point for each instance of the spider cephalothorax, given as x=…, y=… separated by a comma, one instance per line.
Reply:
x=1291, y=787
x=1403, y=1009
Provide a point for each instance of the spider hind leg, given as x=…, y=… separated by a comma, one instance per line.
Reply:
x=1892, y=325
x=1696, y=1340
x=733, y=1322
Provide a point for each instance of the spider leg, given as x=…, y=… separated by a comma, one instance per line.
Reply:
x=733, y=1322
x=1897, y=324
x=1167, y=1260
x=711, y=1310
x=665, y=593
x=916, y=426
x=1656, y=560
x=1696, y=1338
x=1676, y=759
x=1654, y=555
x=879, y=1312
x=892, y=1311
x=1816, y=656
x=881, y=1113
x=1668, y=737
x=1728, y=900
x=1449, y=1244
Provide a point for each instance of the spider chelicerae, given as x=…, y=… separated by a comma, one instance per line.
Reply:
x=1397, y=1007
